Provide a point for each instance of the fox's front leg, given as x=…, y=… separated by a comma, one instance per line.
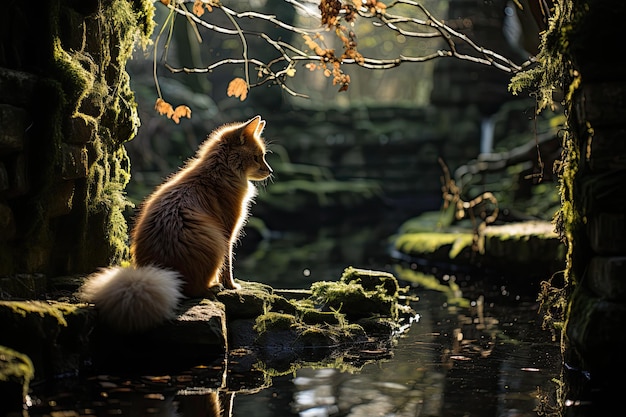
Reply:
x=227, y=279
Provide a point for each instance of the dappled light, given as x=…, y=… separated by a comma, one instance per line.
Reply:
x=311, y=207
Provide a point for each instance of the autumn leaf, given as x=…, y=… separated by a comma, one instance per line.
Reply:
x=163, y=107
x=199, y=5
x=313, y=45
x=166, y=109
x=181, y=111
x=238, y=87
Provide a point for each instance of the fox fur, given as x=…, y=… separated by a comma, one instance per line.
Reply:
x=183, y=237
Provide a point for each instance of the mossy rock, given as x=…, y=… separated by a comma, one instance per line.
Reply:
x=53, y=334
x=280, y=327
x=437, y=246
x=358, y=294
x=16, y=372
x=371, y=280
x=522, y=247
x=252, y=300
x=522, y=243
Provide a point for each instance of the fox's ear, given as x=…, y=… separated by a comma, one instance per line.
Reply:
x=253, y=127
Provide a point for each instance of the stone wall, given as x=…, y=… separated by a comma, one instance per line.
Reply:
x=594, y=202
x=65, y=109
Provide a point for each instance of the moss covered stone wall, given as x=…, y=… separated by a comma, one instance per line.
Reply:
x=580, y=55
x=66, y=108
x=594, y=183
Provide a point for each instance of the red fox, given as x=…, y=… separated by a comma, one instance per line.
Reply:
x=182, y=241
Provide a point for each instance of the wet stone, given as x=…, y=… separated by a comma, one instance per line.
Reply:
x=54, y=335
x=197, y=335
x=13, y=124
x=327, y=321
x=16, y=371
x=606, y=233
x=605, y=277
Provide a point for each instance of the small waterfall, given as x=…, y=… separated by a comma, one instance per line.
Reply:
x=487, y=126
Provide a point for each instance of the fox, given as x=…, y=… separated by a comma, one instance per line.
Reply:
x=181, y=244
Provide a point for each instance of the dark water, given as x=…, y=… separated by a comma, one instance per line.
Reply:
x=451, y=362
x=476, y=350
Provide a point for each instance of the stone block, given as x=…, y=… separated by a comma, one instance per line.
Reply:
x=198, y=335
x=595, y=330
x=606, y=277
x=74, y=162
x=24, y=286
x=61, y=199
x=13, y=123
x=524, y=243
x=4, y=178
x=53, y=335
x=607, y=233
x=18, y=176
x=17, y=88
x=81, y=129
x=244, y=303
x=7, y=223
x=603, y=104
x=608, y=150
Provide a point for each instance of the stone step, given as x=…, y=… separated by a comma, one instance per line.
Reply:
x=526, y=247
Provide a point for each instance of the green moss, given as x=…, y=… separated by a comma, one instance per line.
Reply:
x=371, y=280
x=353, y=300
x=57, y=310
x=313, y=317
x=16, y=367
x=554, y=67
x=274, y=321
x=341, y=364
x=436, y=245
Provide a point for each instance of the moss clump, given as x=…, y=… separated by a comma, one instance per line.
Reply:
x=437, y=246
x=350, y=297
x=56, y=310
x=371, y=280
x=359, y=310
x=275, y=322
x=554, y=69
x=313, y=316
x=16, y=372
x=252, y=300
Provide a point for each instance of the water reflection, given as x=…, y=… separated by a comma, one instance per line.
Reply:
x=478, y=349
x=453, y=362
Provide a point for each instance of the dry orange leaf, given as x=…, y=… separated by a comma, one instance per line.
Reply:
x=166, y=109
x=238, y=87
x=313, y=45
x=163, y=107
x=199, y=5
x=181, y=111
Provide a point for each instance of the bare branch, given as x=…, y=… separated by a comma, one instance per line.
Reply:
x=408, y=18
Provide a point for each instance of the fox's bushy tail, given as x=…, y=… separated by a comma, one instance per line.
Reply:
x=133, y=299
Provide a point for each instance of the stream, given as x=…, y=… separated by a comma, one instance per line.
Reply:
x=486, y=355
